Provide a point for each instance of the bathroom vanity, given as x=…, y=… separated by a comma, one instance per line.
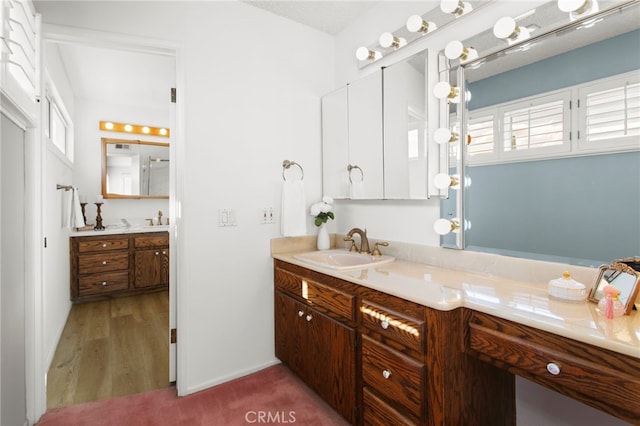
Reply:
x=105, y=265
x=407, y=343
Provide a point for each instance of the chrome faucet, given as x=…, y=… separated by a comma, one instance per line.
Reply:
x=364, y=241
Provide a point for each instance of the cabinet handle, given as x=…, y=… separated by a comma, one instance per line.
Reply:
x=553, y=368
x=104, y=262
x=300, y=314
x=104, y=283
x=309, y=317
x=104, y=245
x=386, y=374
x=384, y=324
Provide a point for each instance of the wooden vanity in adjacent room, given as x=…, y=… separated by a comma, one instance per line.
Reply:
x=447, y=353
x=106, y=265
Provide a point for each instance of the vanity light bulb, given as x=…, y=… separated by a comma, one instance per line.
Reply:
x=145, y=129
x=574, y=6
x=455, y=7
x=108, y=126
x=128, y=127
x=389, y=40
x=444, y=226
x=416, y=24
x=456, y=50
x=362, y=53
x=163, y=131
x=507, y=29
x=443, y=90
x=444, y=181
x=443, y=136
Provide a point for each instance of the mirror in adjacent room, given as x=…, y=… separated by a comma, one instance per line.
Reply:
x=134, y=169
x=623, y=277
x=554, y=124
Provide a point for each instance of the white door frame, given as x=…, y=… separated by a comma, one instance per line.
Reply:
x=36, y=383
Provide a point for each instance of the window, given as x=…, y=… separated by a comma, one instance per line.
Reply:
x=610, y=113
x=481, y=129
x=535, y=126
x=56, y=122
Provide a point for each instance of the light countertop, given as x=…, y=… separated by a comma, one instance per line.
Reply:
x=121, y=229
x=519, y=301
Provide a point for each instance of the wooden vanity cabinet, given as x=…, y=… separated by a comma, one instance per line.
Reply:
x=605, y=380
x=118, y=264
x=315, y=334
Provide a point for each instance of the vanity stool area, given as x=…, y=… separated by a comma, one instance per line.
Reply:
x=105, y=265
x=434, y=358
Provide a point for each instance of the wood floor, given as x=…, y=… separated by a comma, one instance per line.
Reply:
x=111, y=348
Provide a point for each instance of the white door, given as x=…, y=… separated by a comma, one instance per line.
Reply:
x=12, y=267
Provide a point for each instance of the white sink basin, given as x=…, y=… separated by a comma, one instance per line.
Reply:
x=342, y=259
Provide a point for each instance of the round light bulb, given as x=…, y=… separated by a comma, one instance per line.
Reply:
x=163, y=132
x=362, y=53
x=570, y=6
x=454, y=49
x=386, y=39
x=416, y=24
x=444, y=226
x=442, y=181
x=505, y=28
x=451, y=6
x=443, y=136
x=145, y=129
x=128, y=127
x=442, y=90
x=108, y=126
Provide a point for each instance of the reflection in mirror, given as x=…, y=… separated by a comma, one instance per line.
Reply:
x=554, y=128
x=134, y=169
x=622, y=277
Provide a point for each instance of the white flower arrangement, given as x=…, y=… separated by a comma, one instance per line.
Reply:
x=322, y=210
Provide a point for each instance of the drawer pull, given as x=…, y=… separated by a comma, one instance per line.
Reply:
x=104, y=245
x=384, y=324
x=309, y=317
x=300, y=314
x=104, y=283
x=104, y=262
x=553, y=368
x=386, y=374
x=157, y=253
x=164, y=252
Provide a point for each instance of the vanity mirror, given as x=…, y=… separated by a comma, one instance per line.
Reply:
x=624, y=276
x=134, y=169
x=553, y=127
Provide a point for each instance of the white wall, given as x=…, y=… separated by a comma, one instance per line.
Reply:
x=411, y=221
x=253, y=83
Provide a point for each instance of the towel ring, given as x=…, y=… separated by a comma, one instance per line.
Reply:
x=286, y=164
x=350, y=169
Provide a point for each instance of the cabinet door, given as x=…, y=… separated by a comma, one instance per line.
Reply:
x=290, y=330
x=332, y=367
x=335, y=144
x=151, y=267
x=365, y=136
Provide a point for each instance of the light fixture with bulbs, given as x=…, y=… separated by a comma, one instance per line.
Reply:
x=444, y=181
x=455, y=7
x=456, y=50
x=363, y=53
x=389, y=40
x=445, y=226
x=506, y=28
x=578, y=8
x=443, y=90
x=443, y=136
x=416, y=24
x=112, y=126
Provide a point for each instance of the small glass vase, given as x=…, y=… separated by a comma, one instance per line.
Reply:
x=323, y=242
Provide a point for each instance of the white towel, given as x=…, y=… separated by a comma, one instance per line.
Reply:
x=293, y=219
x=71, y=210
x=356, y=190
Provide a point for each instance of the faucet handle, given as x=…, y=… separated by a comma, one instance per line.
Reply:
x=376, y=250
x=353, y=243
x=150, y=221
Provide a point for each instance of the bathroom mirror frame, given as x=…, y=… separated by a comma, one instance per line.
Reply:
x=489, y=54
x=105, y=166
x=607, y=274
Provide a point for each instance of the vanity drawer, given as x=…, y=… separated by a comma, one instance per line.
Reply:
x=103, y=262
x=151, y=241
x=603, y=379
x=395, y=376
x=103, y=283
x=403, y=329
x=86, y=245
x=340, y=304
x=379, y=413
